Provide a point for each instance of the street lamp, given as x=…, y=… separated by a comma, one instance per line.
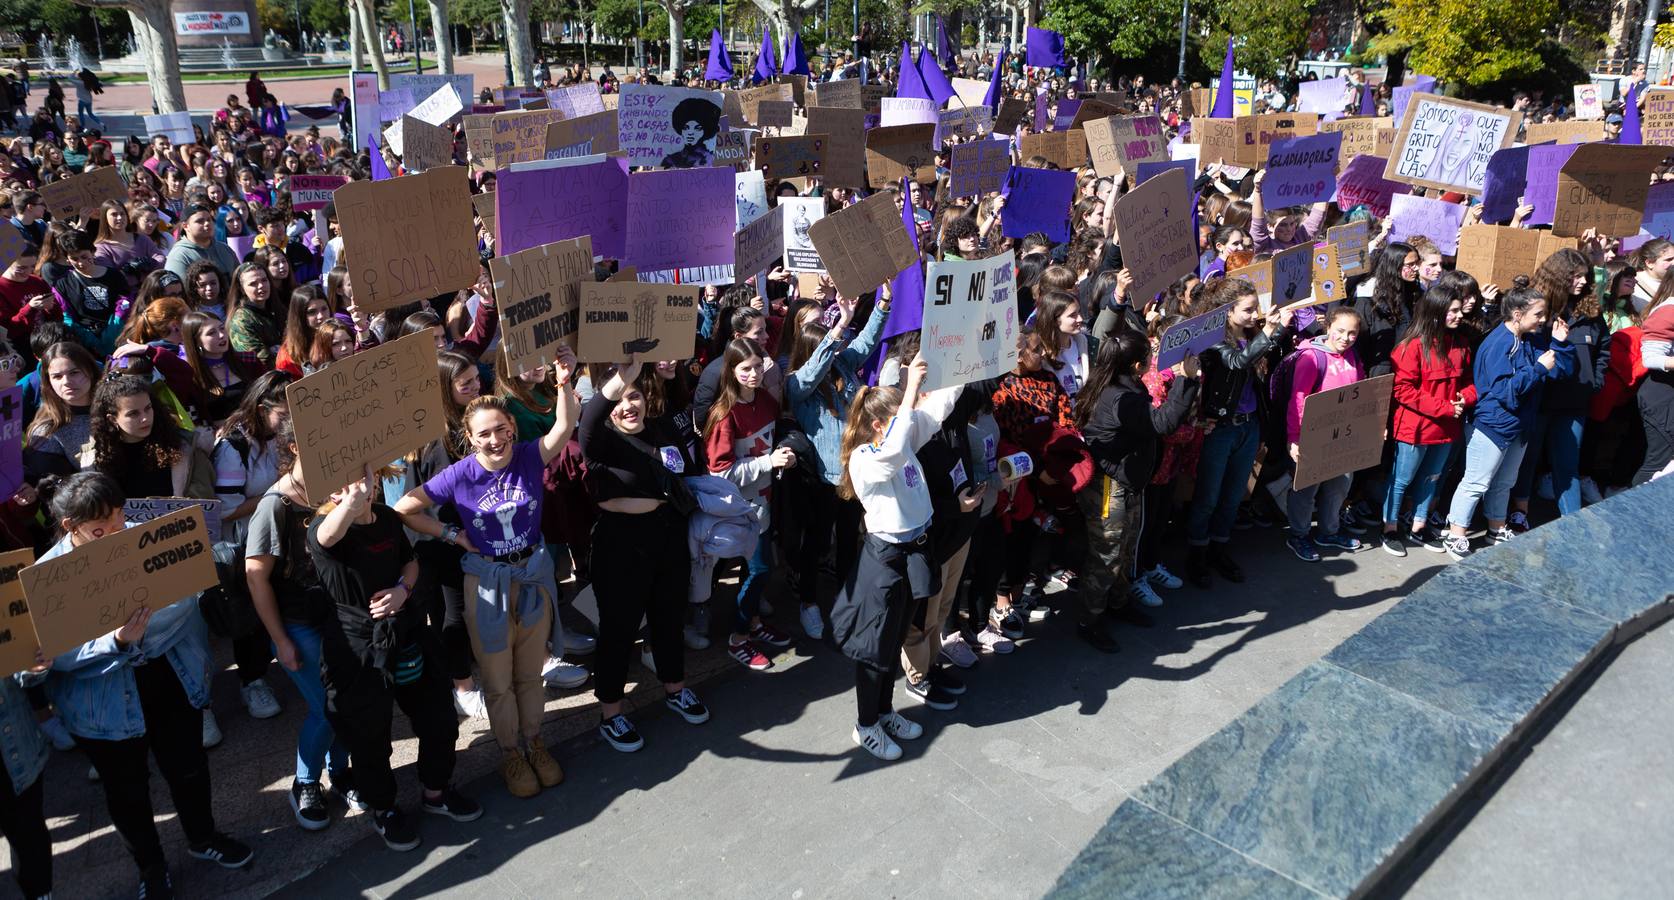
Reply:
x=418, y=54
x=1185, y=13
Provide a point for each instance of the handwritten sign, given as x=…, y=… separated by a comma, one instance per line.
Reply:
x=440, y=108
x=1363, y=184
x=1362, y=136
x=577, y=100
x=1351, y=241
x=176, y=125
x=1445, y=144
x=898, y=152
x=17, y=631
x=655, y=322
x=1437, y=220
x=408, y=238
x=1326, y=96
x=750, y=197
x=800, y=214
x=80, y=193
x=1064, y=149
x=538, y=292
x=964, y=123
x=366, y=410
x=1301, y=170
x=647, y=130
x=145, y=509
x=1342, y=430
x=760, y=242
x=775, y=113
x=1496, y=254
x=310, y=192
x=94, y=589
x=1604, y=186
x=845, y=146
x=582, y=136
x=842, y=94
x=970, y=320
x=1192, y=337
x=520, y=136
x=864, y=245
x=800, y=156
x=978, y=167
x=1329, y=285
x=1656, y=124
x=750, y=100
x=679, y=218
x=1575, y=131
x=1588, y=105
x=559, y=200
x=479, y=139
x=424, y=146
x=907, y=111
x=1292, y=275
x=1120, y=143
x=1154, y=222
x=428, y=84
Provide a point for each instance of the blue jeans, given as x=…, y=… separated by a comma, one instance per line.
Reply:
x=84, y=111
x=317, y=747
x=1299, y=506
x=1560, y=436
x=1418, y=468
x=1489, y=474
x=1223, y=473
x=749, y=593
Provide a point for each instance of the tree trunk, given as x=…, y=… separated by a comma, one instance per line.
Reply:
x=443, y=36
x=154, y=34
x=676, y=36
x=374, y=41
x=357, y=50
x=518, y=42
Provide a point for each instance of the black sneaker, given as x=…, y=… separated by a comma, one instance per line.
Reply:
x=396, y=830
x=308, y=803
x=1008, y=623
x=1429, y=539
x=1131, y=614
x=620, y=734
x=224, y=852
x=943, y=677
x=1457, y=547
x=1224, y=565
x=930, y=695
x=688, y=706
x=454, y=805
x=1393, y=545
x=1352, y=521
x=1095, y=634
x=155, y=884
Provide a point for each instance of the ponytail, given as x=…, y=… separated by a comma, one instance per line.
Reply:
x=870, y=405
x=83, y=497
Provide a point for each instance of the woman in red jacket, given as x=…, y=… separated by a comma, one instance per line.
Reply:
x=1432, y=390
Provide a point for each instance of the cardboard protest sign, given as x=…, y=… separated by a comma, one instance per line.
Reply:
x=1038, y=200
x=749, y=197
x=520, y=136
x=750, y=99
x=1258, y=133
x=1362, y=184
x=308, y=192
x=1540, y=187
x=424, y=146
x=1659, y=212
x=907, y=111
x=1603, y=186
x=800, y=156
x=1496, y=254
x=1301, y=170
x=1362, y=136
x=557, y=200
x=94, y=589
x=970, y=320
x=17, y=631
x=1437, y=220
x=1092, y=110
x=576, y=100
x=978, y=167
x=1011, y=114
x=775, y=113
x=1119, y=143
x=1571, y=132
x=1293, y=276
x=479, y=139
x=75, y=195
x=668, y=127
x=655, y=322
x=365, y=411
x=733, y=149
x=483, y=206
x=440, y=108
x=864, y=245
x=1351, y=241
x=11, y=440
x=679, y=218
x=799, y=87
x=1222, y=140
x=145, y=509
x=902, y=151
x=408, y=238
x=1192, y=337
x=1342, y=430
x=1503, y=187
x=176, y=125
x=964, y=123
x=800, y=214
x=582, y=136
x=845, y=144
x=1329, y=285
x=842, y=94
x=1444, y=143
x=1588, y=104
x=1656, y=123
x=538, y=294
x=1154, y=224
x=1065, y=149
x=759, y=242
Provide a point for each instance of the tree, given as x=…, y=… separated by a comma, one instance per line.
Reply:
x=1268, y=35
x=519, y=44
x=1126, y=31
x=154, y=32
x=444, y=40
x=676, y=10
x=326, y=15
x=368, y=17
x=274, y=15
x=1471, y=43
x=786, y=15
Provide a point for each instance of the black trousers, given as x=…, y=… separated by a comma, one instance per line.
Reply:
x=174, y=738
x=1154, y=524
x=827, y=523
x=23, y=822
x=641, y=569
x=361, y=703
x=984, y=565
x=440, y=589
x=252, y=654
x=1659, y=449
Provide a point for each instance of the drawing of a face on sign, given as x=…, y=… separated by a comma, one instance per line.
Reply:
x=697, y=121
x=1451, y=164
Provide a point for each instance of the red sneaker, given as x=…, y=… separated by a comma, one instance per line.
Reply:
x=748, y=656
x=772, y=637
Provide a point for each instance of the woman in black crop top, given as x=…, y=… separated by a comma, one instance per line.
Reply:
x=641, y=566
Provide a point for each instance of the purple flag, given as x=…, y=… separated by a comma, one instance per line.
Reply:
x=906, y=290
x=720, y=64
x=1038, y=200
x=796, y=61
x=380, y=169
x=911, y=83
x=945, y=49
x=1042, y=123
x=764, y=59
x=1368, y=100
x=1630, y=118
x=1046, y=49
x=992, y=98
x=546, y=203
x=1223, y=94
x=934, y=80
x=702, y=199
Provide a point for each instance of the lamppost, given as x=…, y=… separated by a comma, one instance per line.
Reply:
x=1185, y=13
x=418, y=54
x=639, y=38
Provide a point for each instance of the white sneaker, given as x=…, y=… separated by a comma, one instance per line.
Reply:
x=259, y=700
x=695, y=640
x=1142, y=592
x=211, y=730
x=876, y=741
x=576, y=642
x=1159, y=576
x=469, y=703
x=562, y=675
x=1589, y=491
x=956, y=651
x=992, y=641
x=899, y=726
x=813, y=624
x=56, y=733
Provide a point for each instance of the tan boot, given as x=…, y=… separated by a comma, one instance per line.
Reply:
x=546, y=768
x=520, y=779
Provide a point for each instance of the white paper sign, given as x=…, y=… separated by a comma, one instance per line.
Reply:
x=906, y=111
x=800, y=214
x=177, y=125
x=751, y=197
x=970, y=320
x=439, y=108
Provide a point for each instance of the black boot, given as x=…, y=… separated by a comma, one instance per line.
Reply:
x=1197, y=566
x=1224, y=564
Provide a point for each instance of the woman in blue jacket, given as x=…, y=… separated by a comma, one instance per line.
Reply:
x=1513, y=365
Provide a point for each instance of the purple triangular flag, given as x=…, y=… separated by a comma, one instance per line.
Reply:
x=720, y=64
x=380, y=169
x=906, y=290
x=992, y=98
x=1046, y=49
x=1368, y=100
x=1630, y=118
x=796, y=61
x=764, y=59
x=946, y=52
x=911, y=83
x=934, y=80
x=1223, y=94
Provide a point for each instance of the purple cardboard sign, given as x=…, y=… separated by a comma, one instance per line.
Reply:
x=11, y=442
x=1398, y=98
x=310, y=192
x=978, y=167
x=1437, y=220
x=1065, y=115
x=1192, y=337
x=1040, y=112
x=1301, y=170
x=1362, y=184
x=1507, y=177
x=540, y=203
x=1145, y=170
x=1541, y=190
x=241, y=244
x=1659, y=210
x=680, y=218
x=1038, y=200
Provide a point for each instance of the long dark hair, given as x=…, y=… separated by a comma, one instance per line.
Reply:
x=1390, y=292
x=1554, y=278
x=265, y=394
x=731, y=391
x=1125, y=352
x=1429, y=322
x=162, y=447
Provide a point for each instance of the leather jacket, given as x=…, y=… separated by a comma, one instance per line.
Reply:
x=1226, y=369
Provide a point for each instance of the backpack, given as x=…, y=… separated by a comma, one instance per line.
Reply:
x=1279, y=383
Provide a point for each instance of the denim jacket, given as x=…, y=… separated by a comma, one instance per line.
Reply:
x=823, y=427
x=93, y=688
x=21, y=741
